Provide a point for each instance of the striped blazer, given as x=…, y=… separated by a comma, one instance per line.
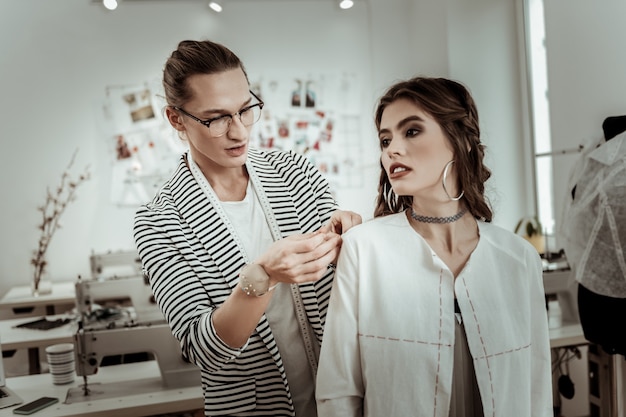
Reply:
x=192, y=256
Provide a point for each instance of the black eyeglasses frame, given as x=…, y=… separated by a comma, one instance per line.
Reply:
x=208, y=122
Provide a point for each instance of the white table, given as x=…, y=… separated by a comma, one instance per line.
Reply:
x=570, y=334
x=19, y=305
x=143, y=393
x=15, y=338
x=19, y=300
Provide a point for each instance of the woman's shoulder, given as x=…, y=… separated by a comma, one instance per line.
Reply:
x=377, y=227
x=505, y=240
x=497, y=233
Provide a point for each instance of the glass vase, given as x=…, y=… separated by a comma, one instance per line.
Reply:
x=40, y=284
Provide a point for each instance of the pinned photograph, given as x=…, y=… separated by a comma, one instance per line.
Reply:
x=140, y=105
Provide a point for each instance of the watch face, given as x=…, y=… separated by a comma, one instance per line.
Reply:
x=254, y=280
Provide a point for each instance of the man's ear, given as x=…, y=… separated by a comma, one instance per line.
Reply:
x=175, y=119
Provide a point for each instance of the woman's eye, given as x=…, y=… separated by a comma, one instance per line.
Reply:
x=412, y=132
x=384, y=142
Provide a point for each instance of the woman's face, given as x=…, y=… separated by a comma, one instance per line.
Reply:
x=215, y=95
x=415, y=151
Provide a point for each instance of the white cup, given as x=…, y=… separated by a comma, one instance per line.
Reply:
x=61, y=363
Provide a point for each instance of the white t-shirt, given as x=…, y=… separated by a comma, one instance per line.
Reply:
x=248, y=219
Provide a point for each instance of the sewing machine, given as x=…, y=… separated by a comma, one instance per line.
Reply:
x=558, y=283
x=114, y=265
x=119, y=317
x=131, y=296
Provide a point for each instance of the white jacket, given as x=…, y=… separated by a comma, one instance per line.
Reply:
x=389, y=339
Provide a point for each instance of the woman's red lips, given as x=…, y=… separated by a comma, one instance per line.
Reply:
x=397, y=171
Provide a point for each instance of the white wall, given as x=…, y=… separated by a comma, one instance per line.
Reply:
x=57, y=58
x=586, y=83
x=484, y=54
x=586, y=76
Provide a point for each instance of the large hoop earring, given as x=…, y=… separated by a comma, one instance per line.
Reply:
x=443, y=181
x=390, y=197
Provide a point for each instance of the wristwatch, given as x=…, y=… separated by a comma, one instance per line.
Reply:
x=254, y=281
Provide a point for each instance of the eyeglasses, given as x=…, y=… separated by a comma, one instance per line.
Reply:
x=219, y=125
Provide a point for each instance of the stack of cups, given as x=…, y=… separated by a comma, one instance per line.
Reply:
x=61, y=363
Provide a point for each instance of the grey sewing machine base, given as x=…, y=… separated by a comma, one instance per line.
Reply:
x=112, y=390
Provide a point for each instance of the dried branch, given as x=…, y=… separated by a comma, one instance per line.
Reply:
x=51, y=212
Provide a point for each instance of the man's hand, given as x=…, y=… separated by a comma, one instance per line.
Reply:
x=341, y=221
x=300, y=258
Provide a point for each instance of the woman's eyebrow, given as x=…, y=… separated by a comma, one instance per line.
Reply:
x=413, y=118
x=408, y=119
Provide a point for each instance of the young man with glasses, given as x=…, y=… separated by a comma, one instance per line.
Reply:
x=239, y=245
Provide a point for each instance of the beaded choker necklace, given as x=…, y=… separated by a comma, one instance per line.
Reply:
x=441, y=220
